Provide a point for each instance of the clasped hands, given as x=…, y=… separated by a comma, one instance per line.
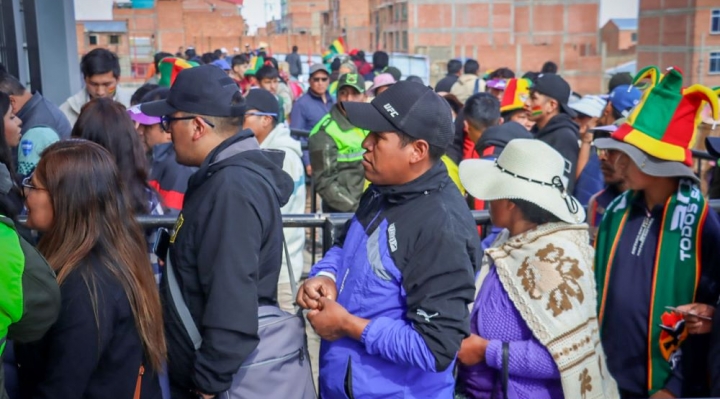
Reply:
x=329, y=319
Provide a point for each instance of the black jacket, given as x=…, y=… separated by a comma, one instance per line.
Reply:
x=169, y=178
x=226, y=250
x=81, y=357
x=561, y=133
x=446, y=83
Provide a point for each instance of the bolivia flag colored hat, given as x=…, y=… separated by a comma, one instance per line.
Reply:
x=516, y=92
x=170, y=67
x=661, y=129
x=255, y=64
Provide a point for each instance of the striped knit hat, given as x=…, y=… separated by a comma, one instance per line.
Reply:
x=170, y=67
x=664, y=123
x=516, y=92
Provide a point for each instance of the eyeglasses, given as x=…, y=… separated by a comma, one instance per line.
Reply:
x=165, y=121
x=325, y=79
x=261, y=114
x=27, y=183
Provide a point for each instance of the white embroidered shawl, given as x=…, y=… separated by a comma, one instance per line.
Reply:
x=548, y=275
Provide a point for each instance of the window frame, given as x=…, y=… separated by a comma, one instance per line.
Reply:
x=92, y=38
x=714, y=57
x=117, y=40
x=715, y=21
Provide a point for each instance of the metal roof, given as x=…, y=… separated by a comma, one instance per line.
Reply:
x=106, y=26
x=625, y=23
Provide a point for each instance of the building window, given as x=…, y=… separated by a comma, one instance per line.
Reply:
x=715, y=62
x=404, y=12
x=405, y=40
x=715, y=21
x=397, y=41
x=633, y=37
x=92, y=40
x=114, y=39
x=391, y=12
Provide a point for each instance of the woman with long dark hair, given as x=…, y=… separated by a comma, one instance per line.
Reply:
x=10, y=194
x=109, y=337
x=105, y=122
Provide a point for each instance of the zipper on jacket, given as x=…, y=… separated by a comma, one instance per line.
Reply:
x=348, y=380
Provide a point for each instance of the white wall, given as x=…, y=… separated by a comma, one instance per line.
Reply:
x=93, y=10
x=616, y=9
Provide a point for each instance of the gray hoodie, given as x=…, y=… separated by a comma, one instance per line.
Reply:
x=280, y=139
x=72, y=106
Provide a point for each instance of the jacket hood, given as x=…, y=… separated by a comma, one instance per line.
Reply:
x=243, y=150
x=495, y=138
x=280, y=139
x=558, y=122
x=80, y=98
x=467, y=78
x=434, y=179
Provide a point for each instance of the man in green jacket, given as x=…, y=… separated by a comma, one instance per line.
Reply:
x=336, y=151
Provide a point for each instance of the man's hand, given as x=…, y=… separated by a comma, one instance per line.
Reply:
x=472, y=350
x=329, y=320
x=696, y=325
x=315, y=288
x=308, y=170
x=662, y=394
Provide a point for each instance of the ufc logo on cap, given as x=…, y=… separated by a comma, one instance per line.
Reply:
x=389, y=108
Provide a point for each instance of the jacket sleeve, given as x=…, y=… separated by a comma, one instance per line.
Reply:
x=41, y=298
x=297, y=120
x=525, y=359
x=327, y=266
x=323, y=158
x=229, y=277
x=440, y=284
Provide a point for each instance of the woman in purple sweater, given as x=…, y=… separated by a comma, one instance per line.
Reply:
x=534, y=321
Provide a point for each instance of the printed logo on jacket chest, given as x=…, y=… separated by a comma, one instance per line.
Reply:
x=392, y=241
x=178, y=224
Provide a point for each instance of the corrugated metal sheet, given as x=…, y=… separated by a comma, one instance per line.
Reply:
x=626, y=23
x=106, y=26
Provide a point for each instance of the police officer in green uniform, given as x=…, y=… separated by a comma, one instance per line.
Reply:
x=336, y=151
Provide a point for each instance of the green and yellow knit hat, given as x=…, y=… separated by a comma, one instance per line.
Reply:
x=664, y=123
x=170, y=67
x=255, y=64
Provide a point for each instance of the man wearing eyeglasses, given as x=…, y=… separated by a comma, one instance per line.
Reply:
x=336, y=151
x=227, y=245
x=312, y=106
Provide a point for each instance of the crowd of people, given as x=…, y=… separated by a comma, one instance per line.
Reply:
x=597, y=278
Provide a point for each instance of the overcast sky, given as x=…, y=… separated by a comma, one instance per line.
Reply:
x=258, y=12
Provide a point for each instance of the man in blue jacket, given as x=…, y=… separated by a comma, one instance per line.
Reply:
x=390, y=298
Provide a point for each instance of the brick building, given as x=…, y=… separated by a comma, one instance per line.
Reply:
x=521, y=35
x=303, y=16
x=112, y=35
x=619, y=35
x=681, y=33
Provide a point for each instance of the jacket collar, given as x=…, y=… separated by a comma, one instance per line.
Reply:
x=435, y=179
x=341, y=120
x=161, y=151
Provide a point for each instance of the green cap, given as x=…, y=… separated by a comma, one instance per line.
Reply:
x=353, y=80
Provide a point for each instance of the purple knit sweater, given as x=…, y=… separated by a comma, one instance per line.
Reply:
x=532, y=371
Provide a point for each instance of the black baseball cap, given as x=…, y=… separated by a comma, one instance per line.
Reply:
x=263, y=101
x=354, y=80
x=205, y=90
x=555, y=87
x=407, y=107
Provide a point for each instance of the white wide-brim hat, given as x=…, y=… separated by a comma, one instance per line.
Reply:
x=529, y=170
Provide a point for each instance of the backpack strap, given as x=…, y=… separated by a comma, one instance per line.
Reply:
x=181, y=306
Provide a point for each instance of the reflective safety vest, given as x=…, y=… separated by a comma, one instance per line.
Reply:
x=349, y=142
